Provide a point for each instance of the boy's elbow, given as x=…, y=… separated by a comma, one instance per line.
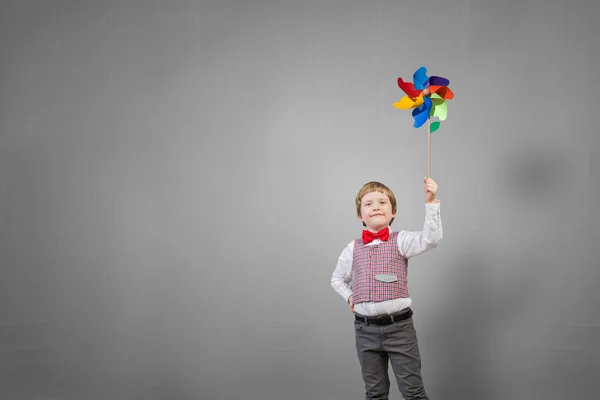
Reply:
x=335, y=283
x=435, y=241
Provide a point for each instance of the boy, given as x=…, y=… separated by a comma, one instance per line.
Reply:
x=371, y=275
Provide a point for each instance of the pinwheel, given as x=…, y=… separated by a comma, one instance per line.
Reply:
x=427, y=97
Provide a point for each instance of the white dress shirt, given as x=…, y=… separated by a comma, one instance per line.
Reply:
x=410, y=244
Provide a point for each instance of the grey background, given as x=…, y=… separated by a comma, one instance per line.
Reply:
x=177, y=182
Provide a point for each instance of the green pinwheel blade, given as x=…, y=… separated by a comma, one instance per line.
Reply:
x=434, y=126
x=439, y=107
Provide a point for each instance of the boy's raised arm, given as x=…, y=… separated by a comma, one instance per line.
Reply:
x=412, y=244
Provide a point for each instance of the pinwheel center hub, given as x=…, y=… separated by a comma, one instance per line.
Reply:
x=426, y=92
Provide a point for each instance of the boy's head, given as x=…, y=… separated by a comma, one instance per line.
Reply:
x=375, y=206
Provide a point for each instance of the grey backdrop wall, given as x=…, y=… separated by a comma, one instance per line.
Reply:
x=177, y=182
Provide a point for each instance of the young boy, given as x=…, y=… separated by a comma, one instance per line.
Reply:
x=371, y=275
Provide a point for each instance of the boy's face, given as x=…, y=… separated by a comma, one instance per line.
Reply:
x=376, y=211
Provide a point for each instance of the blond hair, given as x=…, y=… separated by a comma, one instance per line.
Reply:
x=375, y=187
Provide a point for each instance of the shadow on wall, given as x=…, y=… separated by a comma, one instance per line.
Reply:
x=538, y=172
x=594, y=164
x=486, y=322
x=480, y=306
x=571, y=360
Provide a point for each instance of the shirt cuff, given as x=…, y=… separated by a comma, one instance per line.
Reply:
x=433, y=209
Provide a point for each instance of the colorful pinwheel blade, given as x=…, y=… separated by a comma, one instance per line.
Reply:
x=439, y=81
x=436, y=99
x=444, y=92
x=420, y=117
x=408, y=88
x=434, y=126
x=421, y=114
x=439, y=107
x=406, y=102
x=420, y=78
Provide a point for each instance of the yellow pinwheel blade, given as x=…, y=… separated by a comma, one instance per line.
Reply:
x=406, y=102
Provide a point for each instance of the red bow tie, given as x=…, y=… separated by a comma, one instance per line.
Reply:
x=368, y=236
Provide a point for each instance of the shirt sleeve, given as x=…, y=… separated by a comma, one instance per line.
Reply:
x=342, y=275
x=412, y=244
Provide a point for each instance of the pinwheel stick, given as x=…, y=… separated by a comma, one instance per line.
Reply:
x=429, y=147
x=427, y=93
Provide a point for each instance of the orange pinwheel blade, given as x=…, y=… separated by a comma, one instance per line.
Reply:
x=443, y=91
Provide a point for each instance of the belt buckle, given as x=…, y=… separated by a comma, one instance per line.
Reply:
x=384, y=319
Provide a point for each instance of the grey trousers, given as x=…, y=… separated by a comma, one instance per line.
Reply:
x=395, y=343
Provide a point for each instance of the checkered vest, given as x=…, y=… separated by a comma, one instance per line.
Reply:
x=379, y=271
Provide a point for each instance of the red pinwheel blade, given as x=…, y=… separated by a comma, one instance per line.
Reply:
x=408, y=88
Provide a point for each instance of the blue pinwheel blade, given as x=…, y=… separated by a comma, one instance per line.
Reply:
x=439, y=81
x=427, y=102
x=421, y=114
x=420, y=78
x=420, y=117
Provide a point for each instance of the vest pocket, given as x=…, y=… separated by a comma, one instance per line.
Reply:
x=388, y=278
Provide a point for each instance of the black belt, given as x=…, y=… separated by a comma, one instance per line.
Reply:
x=385, y=319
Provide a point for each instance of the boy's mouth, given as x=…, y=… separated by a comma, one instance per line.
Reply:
x=375, y=215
